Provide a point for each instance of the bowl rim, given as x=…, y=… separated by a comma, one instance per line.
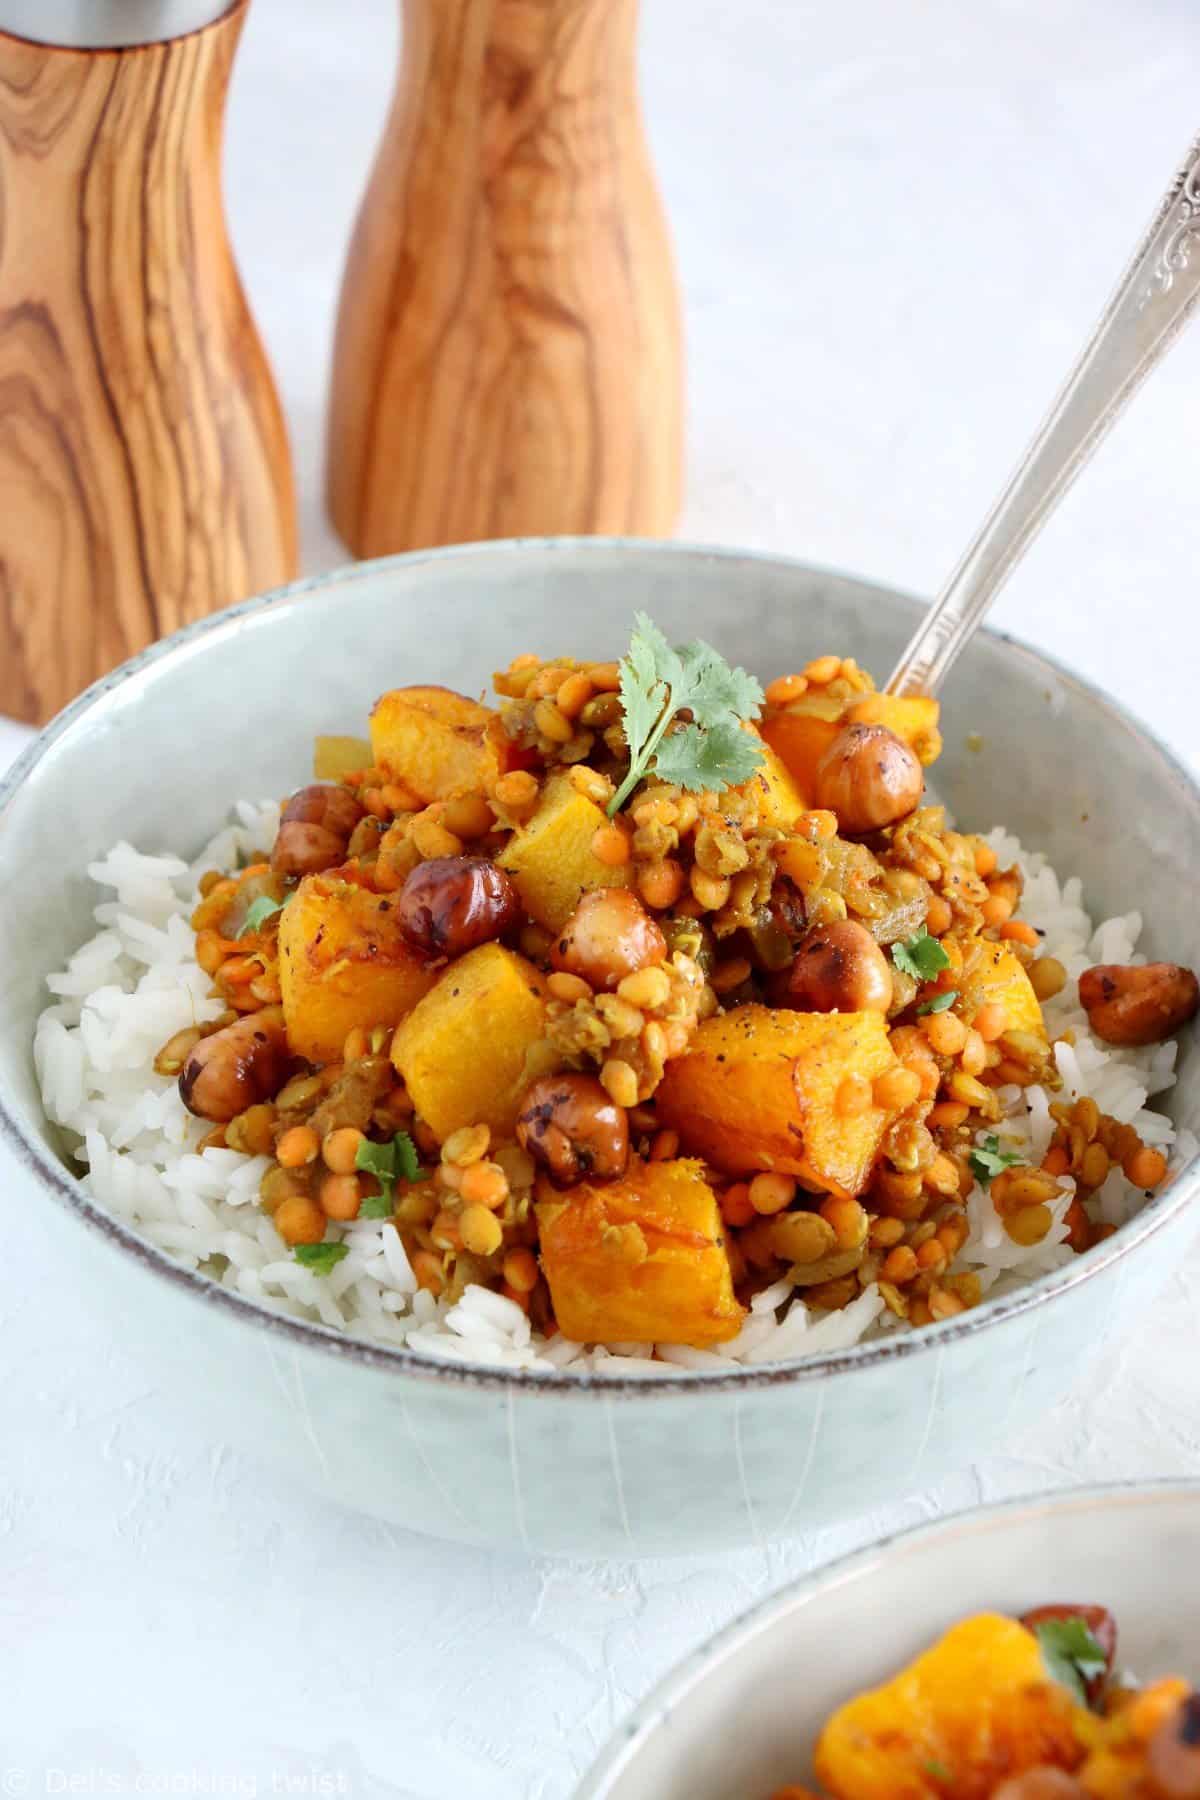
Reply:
x=653, y=1712
x=30, y=1152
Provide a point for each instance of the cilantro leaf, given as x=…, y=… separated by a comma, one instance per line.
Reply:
x=408, y=1163
x=378, y=1206
x=718, y=758
x=259, y=910
x=716, y=691
x=1071, y=1654
x=321, y=1258
x=921, y=956
x=643, y=691
x=376, y=1159
x=657, y=683
x=940, y=1002
x=394, y=1161
x=652, y=651
x=937, y=1769
x=988, y=1159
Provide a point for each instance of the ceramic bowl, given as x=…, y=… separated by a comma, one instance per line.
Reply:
x=740, y=1717
x=157, y=752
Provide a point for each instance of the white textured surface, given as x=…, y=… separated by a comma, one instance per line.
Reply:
x=894, y=225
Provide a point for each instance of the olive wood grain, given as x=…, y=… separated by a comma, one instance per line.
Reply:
x=145, y=478
x=507, y=359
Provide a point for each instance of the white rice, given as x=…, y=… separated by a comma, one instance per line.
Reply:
x=136, y=982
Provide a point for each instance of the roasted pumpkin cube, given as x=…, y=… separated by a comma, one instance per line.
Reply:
x=336, y=757
x=972, y=1711
x=642, y=1258
x=803, y=732
x=780, y=802
x=991, y=973
x=801, y=735
x=551, y=859
x=913, y=717
x=343, y=962
x=465, y=1050
x=757, y=1088
x=438, y=743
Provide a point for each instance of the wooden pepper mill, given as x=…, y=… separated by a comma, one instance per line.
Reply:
x=508, y=357
x=145, y=478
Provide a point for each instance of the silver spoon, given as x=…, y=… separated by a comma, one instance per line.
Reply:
x=1153, y=301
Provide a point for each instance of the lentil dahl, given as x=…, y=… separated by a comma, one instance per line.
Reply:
x=568, y=927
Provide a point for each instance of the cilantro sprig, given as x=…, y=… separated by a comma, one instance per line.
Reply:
x=921, y=956
x=1071, y=1654
x=940, y=1002
x=394, y=1161
x=258, y=911
x=321, y=1258
x=987, y=1160
x=711, y=750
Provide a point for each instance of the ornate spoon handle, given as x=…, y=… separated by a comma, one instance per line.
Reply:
x=1153, y=301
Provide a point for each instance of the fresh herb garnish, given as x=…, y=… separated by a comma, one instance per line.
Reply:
x=940, y=1002
x=321, y=1258
x=378, y=1206
x=397, y=1160
x=921, y=956
x=937, y=1769
x=262, y=908
x=1071, y=1654
x=712, y=751
x=988, y=1159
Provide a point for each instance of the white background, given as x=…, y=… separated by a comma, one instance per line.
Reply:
x=895, y=223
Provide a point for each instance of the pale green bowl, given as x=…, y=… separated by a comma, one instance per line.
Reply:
x=157, y=752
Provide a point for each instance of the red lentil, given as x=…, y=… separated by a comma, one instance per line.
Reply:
x=611, y=846
x=770, y=1193
x=340, y=1150
x=300, y=1220
x=484, y=1184
x=899, y=1265
x=660, y=883
x=297, y=1146
x=341, y=1196
x=785, y=688
x=1145, y=1168
x=736, y=1206
x=991, y=1021
x=996, y=910
x=521, y=1270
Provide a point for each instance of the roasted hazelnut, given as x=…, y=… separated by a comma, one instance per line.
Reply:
x=608, y=936
x=1173, y=1754
x=315, y=828
x=1046, y=1783
x=236, y=1067
x=1142, y=1005
x=450, y=904
x=1099, y=1622
x=869, y=777
x=837, y=968
x=569, y=1125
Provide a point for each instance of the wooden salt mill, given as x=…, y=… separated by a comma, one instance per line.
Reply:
x=508, y=356
x=144, y=470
